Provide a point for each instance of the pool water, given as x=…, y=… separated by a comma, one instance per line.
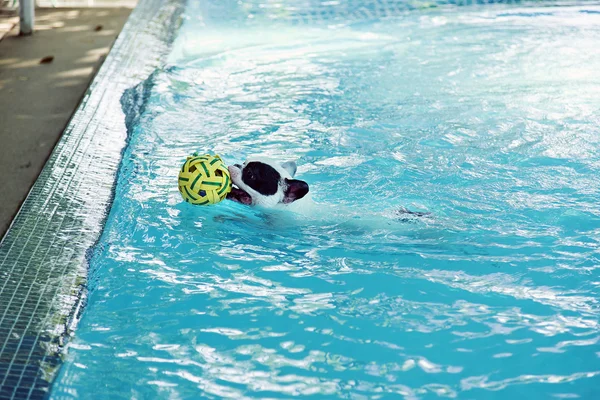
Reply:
x=486, y=117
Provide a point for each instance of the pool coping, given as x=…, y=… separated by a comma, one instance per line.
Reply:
x=44, y=254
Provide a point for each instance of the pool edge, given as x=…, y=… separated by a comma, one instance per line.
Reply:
x=43, y=255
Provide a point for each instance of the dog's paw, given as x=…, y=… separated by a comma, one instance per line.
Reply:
x=404, y=215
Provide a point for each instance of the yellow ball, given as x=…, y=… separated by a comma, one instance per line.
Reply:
x=204, y=180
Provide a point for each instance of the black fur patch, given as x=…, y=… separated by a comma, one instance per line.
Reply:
x=261, y=177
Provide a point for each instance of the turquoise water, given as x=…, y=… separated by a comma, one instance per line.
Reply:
x=487, y=117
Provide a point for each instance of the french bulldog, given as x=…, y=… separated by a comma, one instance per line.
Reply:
x=270, y=184
x=266, y=183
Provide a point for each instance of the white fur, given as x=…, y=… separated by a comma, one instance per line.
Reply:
x=258, y=199
x=305, y=206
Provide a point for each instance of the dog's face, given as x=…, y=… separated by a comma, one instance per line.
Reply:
x=265, y=183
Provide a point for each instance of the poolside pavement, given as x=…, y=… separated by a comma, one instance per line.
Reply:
x=43, y=77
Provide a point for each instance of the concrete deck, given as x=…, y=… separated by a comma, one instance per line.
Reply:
x=42, y=80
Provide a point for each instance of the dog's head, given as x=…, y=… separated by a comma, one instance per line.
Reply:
x=266, y=183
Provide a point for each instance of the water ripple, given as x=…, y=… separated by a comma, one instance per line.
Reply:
x=485, y=117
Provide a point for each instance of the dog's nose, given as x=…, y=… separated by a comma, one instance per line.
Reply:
x=237, y=166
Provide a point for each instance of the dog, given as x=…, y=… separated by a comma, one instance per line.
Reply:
x=266, y=183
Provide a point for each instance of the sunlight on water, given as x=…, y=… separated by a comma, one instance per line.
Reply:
x=486, y=117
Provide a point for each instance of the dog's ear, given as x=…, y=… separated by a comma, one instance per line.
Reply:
x=295, y=190
x=290, y=166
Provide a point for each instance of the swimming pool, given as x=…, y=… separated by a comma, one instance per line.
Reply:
x=487, y=117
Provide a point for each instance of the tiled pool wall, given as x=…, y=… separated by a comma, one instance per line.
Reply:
x=43, y=266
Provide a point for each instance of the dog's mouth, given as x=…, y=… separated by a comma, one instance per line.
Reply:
x=240, y=196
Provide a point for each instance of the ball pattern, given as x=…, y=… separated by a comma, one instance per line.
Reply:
x=204, y=180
